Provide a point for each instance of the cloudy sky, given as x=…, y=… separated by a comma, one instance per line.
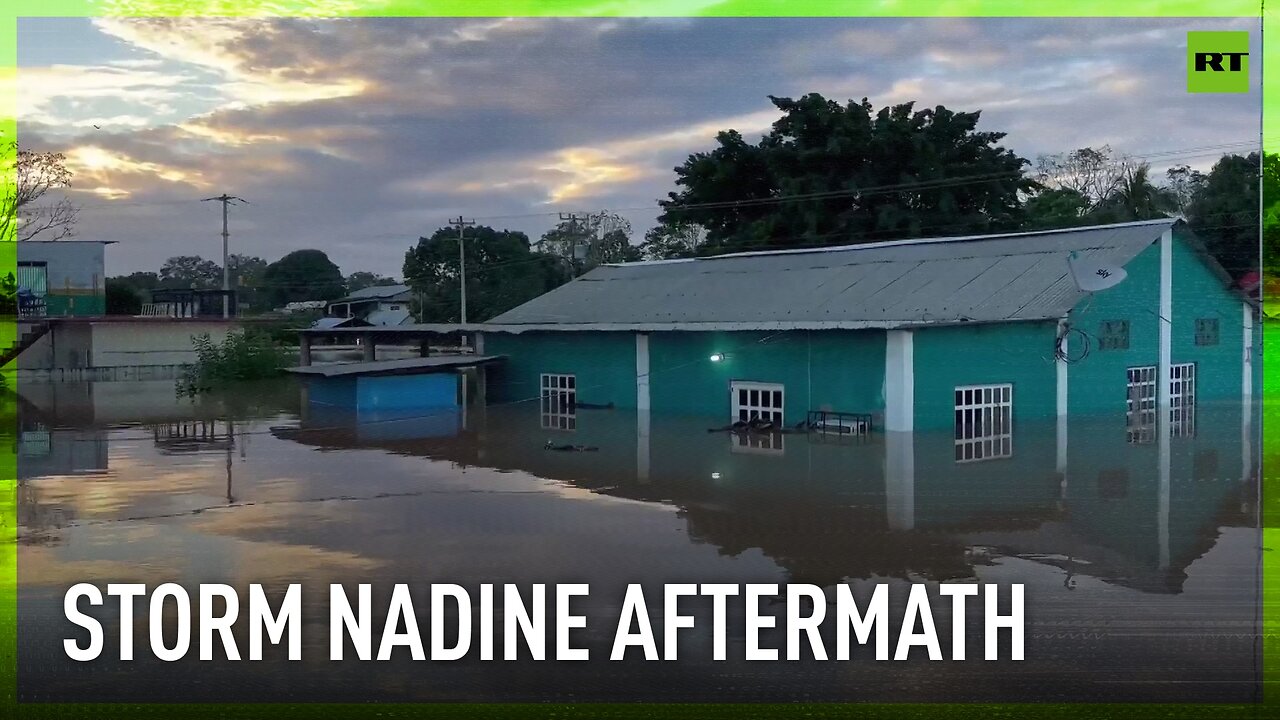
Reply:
x=357, y=136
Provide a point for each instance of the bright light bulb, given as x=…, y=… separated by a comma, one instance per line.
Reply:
x=717, y=357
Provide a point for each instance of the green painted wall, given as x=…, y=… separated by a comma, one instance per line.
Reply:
x=949, y=357
x=1098, y=383
x=833, y=370
x=604, y=365
x=76, y=305
x=1199, y=293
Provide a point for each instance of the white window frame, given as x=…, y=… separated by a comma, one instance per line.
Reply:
x=1182, y=400
x=558, y=396
x=771, y=406
x=1140, y=404
x=756, y=406
x=1140, y=421
x=983, y=422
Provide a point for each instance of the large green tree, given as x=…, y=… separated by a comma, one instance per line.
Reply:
x=502, y=273
x=829, y=173
x=597, y=238
x=362, y=279
x=190, y=271
x=302, y=275
x=1223, y=212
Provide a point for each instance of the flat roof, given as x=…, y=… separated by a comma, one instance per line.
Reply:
x=407, y=366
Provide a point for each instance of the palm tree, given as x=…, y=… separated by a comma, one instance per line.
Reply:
x=1137, y=198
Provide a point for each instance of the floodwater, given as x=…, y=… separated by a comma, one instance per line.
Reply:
x=1141, y=570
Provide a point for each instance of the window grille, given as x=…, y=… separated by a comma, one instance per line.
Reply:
x=984, y=422
x=559, y=402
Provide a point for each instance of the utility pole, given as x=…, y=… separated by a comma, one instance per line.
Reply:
x=573, y=219
x=461, y=224
x=226, y=201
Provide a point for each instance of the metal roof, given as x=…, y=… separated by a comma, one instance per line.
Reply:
x=991, y=278
x=407, y=366
x=375, y=292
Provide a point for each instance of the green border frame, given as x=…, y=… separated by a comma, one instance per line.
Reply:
x=11, y=10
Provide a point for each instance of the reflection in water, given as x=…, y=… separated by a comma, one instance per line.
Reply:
x=1140, y=558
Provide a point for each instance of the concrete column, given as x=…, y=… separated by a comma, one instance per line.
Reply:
x=1246, y=398
x=304, y=349
x=370, y=348
x=900, y=480
x=899, y=381
x=479, y=342
x=1163, y=395
x=1163, y=390
x=642, y=371
x=1061, y=366
x=642, y=446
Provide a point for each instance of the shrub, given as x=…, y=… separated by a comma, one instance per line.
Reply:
x=243, y=355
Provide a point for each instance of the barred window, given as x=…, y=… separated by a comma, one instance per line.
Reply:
x=984, y=422
x=559, y=402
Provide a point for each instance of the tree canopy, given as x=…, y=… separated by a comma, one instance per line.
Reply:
x=502, y=273
x=27, y=209
x=599, y=237
x=829, y=173
x=302, y=275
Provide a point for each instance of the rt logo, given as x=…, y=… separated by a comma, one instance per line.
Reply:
x=1218, y=62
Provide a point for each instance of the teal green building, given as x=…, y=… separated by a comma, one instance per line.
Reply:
x=976, y=335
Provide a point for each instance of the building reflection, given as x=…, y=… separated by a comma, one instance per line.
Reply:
x=830, y=510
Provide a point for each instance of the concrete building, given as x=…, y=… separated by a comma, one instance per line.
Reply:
x=66, y=278
x=972, y=332
x=115, y=348
x=382, y=305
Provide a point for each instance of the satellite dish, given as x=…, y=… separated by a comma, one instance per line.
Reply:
x=1090, y=275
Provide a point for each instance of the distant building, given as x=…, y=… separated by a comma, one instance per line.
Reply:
x=303, y=306
x=378, y=305
x=61, y=278
x=189, y=303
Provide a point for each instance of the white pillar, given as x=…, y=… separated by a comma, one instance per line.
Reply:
x=1163, y=390
x=899, y=381
x=479, y=343
x=1246, y=397
x=1061, y=367
x=900, y=479
x=642, y=371
x=642, y=446
x=1163, y=393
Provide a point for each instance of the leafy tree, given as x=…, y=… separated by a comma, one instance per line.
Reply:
x=602, y=237
x=140, y=280
x=246, y=273
x=8, y=295
x=1056, y=208
x=678, y=240
x=190, y=271
x=502, y=273
x=1092, y=173
x=123, y=298
x=362, y=279
x=22, y=211
x=1184, y=183
x=302, y=275
x=829, y=173
x=1135, y=197
x=1271, y=217
x=1224, y=210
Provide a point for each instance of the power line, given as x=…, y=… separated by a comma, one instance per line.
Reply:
x=226, y=201
x=462, y=224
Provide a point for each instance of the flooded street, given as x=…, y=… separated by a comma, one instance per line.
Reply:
x=1141, y=572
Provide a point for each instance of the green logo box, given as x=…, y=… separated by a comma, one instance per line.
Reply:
x=1217, y=62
